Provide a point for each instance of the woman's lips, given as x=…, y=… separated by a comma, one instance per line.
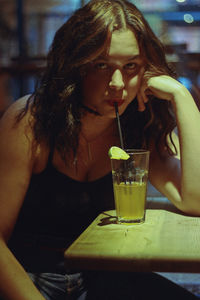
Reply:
x=112, y=102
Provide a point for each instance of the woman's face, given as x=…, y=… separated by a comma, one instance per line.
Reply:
x=114, y=76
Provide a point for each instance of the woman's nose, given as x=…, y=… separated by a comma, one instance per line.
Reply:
x=117, y=81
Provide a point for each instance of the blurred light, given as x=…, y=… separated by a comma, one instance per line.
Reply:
x=180, y=1
x=186, y=82
x=179, y=15
x=188, y=18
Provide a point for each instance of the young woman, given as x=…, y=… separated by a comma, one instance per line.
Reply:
x=55, y=174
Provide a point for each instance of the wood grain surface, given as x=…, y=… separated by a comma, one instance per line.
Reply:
x=166, y=242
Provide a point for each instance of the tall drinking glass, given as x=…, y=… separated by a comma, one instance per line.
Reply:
x=130, y=186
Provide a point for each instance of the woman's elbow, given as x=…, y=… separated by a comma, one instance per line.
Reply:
x=190, y=204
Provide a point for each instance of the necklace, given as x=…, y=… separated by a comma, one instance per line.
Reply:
x=101, y=138
x=89, y=152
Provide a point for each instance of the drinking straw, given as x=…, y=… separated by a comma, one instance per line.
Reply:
x=121, y=139
x=119, y=125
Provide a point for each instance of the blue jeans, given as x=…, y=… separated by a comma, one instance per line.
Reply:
x=59, y=287
x=108, y=286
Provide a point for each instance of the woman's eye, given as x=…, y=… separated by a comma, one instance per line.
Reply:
x=101, y=66
x=131, y=66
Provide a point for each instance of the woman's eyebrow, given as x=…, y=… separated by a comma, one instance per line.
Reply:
x=134, y=57
x=128, y=58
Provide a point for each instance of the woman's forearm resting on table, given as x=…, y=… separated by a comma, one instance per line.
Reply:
x=188, y=123
x=178, y=177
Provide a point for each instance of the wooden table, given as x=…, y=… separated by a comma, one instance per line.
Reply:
x=166, y=242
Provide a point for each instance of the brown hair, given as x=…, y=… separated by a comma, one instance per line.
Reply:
x=56, y=106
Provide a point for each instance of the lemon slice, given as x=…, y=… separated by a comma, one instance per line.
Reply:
x=117, y=153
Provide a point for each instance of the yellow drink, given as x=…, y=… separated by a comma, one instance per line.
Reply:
x=130, y=201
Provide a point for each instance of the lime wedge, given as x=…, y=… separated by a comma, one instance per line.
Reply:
x=117, y=153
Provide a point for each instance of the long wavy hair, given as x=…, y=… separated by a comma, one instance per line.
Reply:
x=56, y=105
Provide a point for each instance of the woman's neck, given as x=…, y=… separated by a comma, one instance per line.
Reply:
x=95, y=126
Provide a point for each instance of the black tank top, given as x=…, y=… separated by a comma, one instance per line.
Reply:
x=55, y=211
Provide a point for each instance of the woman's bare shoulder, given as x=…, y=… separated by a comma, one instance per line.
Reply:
x=10, y=115
x=18, y=136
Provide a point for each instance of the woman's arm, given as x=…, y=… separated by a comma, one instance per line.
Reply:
x=16, y=164
x=178, y=177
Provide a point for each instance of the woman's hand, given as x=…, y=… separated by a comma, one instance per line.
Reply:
x=162, y=87
x=180, y=180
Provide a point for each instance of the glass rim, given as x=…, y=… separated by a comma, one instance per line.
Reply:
x=136, y=151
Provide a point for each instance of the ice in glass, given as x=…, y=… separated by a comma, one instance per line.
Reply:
x=130, y=186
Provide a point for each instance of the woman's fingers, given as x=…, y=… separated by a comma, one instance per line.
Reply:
x=142, y=98
x=141, y=106
x=162, y=87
